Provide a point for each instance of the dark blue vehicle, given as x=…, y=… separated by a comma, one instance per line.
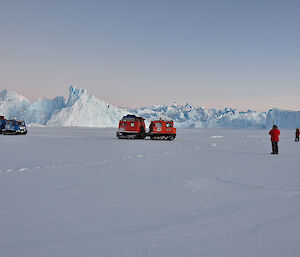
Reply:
x=2, y=123
x=14, y=127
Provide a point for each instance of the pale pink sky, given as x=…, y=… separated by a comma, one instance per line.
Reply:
x=137, y=53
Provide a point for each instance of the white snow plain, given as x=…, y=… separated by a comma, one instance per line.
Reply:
x=76, y=192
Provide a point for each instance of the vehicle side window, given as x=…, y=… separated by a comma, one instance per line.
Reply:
x=169, y=125
x=124, y=124
x=158, y=125
x=132, y=124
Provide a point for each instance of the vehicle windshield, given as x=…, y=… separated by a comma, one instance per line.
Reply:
x=169, y=125
x=158, y=125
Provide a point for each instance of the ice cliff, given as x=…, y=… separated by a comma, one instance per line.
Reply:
x=283, y=118
x=12, y=105
x=84, y=109
x=188, y=116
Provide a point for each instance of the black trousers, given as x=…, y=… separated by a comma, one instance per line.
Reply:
x=297, y=138
x=275, y=147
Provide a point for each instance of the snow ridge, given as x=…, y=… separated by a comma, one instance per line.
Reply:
x=84, y=109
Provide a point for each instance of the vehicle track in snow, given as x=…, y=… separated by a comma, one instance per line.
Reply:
x=98, y=162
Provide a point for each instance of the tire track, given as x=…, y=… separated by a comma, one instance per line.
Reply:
x=99, y=162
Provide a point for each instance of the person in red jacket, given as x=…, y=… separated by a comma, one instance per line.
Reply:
x=297, y=135
x=274, y=132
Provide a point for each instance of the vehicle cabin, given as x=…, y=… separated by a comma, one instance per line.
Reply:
x=131, y=127
x=11, y=123
x=132, y=123
x=161, y=126
x=163, y=130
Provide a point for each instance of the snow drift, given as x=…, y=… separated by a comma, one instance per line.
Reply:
x=84, y=109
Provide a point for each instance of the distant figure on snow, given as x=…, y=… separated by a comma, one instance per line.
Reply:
x=274, y=132
x=297, y=135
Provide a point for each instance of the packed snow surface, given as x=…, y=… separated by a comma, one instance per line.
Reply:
x=86, y=110
x=77, y=192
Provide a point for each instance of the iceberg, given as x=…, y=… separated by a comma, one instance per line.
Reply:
x=197, y=117
x=41, y=111
x=83, y=109
x=283, y=118
x=13, y=105
x=86, y=110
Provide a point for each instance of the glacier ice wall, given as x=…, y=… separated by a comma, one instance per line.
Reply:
x=188, y=116
x=84, y=109
x=283, y=118
x=13, y=105
x=41, y=111
x=81, y=109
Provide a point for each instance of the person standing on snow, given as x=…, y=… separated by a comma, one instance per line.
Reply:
x=274, y=132
x=297, y=135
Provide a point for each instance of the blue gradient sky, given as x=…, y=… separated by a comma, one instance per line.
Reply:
x=243, y=54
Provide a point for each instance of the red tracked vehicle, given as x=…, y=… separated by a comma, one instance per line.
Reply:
x=162, y=130
x=131, y=127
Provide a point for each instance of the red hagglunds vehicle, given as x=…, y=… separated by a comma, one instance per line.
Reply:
x=162, y=130
x=131, y=127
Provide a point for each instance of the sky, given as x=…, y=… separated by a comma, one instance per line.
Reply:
x=241, y=54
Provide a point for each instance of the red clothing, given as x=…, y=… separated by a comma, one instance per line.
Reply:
x=297, y=132
x=274, y=134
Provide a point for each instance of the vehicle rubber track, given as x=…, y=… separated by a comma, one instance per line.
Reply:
x=164, y=137
x=130, y=136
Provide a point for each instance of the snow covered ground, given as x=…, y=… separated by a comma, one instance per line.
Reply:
x=76, y=192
